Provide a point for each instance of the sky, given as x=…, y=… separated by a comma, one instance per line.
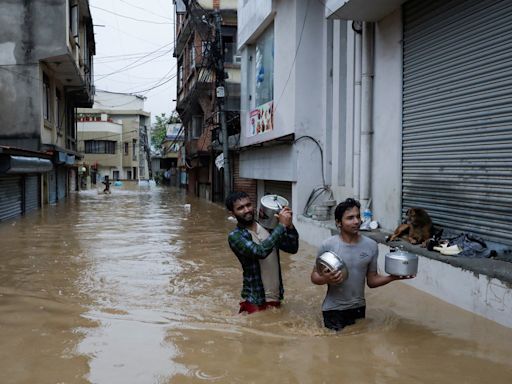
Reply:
x=134, y=46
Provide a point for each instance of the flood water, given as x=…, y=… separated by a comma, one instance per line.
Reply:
x=133, y=287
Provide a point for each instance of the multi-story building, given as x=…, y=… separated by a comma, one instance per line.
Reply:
x=113, y=135
x=165, y=159
x=198, y=51
x=46, y=51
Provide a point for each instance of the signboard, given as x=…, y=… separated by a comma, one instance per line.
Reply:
x=261, y=119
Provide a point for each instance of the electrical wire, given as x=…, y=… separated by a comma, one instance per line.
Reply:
x=130, y=18
x=295, y=56
x=145, y=10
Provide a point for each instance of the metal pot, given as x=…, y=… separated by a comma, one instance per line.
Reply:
x=401, y=263
x=269, y=206
x=329, y=261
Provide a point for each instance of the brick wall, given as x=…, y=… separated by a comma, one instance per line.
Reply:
x=248, y=186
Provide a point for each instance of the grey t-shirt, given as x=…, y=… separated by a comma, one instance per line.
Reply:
x=359, y=258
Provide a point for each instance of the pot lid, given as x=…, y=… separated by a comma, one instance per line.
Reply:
x=401, y=255
x=275, y=202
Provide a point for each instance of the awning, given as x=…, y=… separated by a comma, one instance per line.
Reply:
x=20, y=164
x=361, y=10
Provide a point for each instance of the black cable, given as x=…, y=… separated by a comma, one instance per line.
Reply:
x=131, y=18
x=294, y=58
x=321, y=152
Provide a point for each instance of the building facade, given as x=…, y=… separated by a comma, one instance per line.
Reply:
x=200, y=44
x=46, y=66
x=113, y=135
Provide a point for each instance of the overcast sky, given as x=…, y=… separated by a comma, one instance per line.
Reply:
x=135, y=56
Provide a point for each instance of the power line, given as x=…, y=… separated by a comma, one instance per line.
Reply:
x=295, y=57
x=145, y=10
x=131, y=65
x=131, y=18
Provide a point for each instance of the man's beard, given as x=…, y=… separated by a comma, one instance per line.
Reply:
x=244, y=220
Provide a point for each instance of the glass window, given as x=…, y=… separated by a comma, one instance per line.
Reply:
x=100, y=146
x=264, y=64
x=46, y=97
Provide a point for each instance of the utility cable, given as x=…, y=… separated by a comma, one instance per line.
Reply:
x=131, y=18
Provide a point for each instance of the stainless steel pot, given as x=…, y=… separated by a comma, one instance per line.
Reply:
x=269, y=206
x=329, y=261
x=401, y=263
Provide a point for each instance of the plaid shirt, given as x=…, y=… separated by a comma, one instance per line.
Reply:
x=249, y=254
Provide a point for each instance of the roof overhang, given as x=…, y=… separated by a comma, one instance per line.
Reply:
x=10, y=164
x=361, y=10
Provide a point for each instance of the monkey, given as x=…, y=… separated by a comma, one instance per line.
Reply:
x=418, y=227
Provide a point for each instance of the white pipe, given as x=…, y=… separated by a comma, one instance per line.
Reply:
x=357, y=114
x=366, y=112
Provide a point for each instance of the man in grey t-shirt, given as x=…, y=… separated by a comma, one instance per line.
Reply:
x=344, y=302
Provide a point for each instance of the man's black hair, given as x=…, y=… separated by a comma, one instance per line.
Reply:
x=234, y=196
x=343, y=206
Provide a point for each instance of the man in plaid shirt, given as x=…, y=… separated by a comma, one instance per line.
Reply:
x=257, y=249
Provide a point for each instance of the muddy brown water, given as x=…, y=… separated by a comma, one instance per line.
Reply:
x=134, y=288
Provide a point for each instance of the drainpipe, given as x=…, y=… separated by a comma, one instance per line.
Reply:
x=357, y=113
x=366, y=113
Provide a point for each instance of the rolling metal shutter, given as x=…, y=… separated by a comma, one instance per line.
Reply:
x=62, y=175
x=52, y=186
x=31, y=193
x=10, y=197
x=281, y=188
x=457, y=114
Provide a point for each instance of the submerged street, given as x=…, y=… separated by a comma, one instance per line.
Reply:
x=135, y=287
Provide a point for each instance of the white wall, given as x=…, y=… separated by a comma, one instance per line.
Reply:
x=117, y=101
x=478, y=294
x=299, y=97
x=253, y=17
x=387, y=122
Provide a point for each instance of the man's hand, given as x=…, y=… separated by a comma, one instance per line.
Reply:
x=285, y=217
x=403, y=277
x=333, y=277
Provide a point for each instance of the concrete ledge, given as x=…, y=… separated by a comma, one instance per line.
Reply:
x=480, y=286
x=492, y=268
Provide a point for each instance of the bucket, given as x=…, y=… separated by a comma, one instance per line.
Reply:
x=269, y=206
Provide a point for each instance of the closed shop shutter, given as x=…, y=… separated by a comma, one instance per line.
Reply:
x=52, y=186
x=457, y=114
x=10, y=197
x=62, y=175
x=281, y=188
x=32, y=193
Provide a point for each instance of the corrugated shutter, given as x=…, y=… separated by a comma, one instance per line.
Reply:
x=281, y=188
x=32, y=194
x=52, y=186
x=62, y=175
x=457, y=114
x=10, y=197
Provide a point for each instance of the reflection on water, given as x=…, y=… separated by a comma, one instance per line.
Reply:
x=133, y=287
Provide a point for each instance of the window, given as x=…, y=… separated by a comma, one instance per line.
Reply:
x=197, y=126
x=59, y=110
x=126, y=148
x=100, y=146
x=264, y=64
x=115, y=175
x=134, y=149
x=180, y=74
x=73, y=20
x=46, y=98
x=192, y=54
x=229, y=46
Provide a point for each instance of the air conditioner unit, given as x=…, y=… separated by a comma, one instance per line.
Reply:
x=237, y=59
